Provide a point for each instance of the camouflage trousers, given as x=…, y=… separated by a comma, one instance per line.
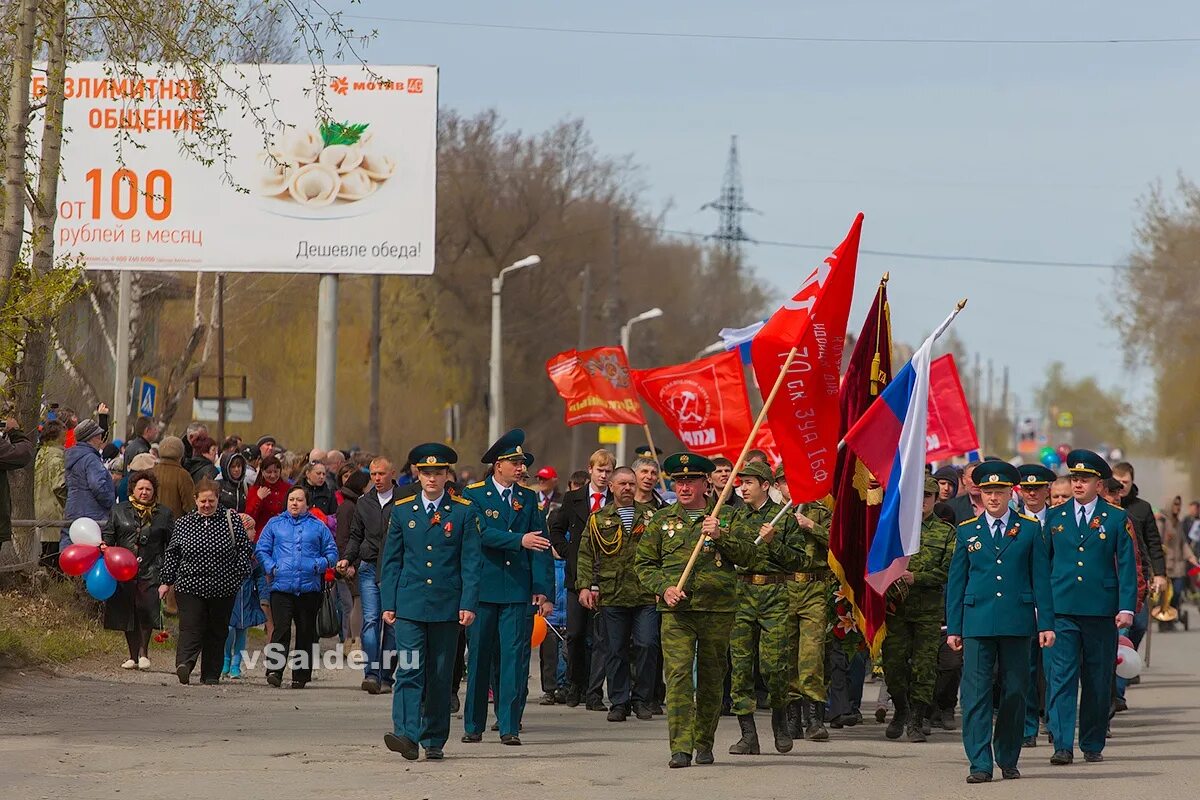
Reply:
x=809, y=609
x=696, y=640
x=910, y=655
x=761, y=635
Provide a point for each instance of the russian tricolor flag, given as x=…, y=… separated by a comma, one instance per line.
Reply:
x=889, y=438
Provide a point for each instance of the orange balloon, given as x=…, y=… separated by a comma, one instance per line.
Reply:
x=539, y=630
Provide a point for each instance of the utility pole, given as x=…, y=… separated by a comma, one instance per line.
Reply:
x=585, y=299
x=220, y=357
x=1004, y=407
x=121, y=385
x=375, y=436
x=325, y=405
x=616, y=311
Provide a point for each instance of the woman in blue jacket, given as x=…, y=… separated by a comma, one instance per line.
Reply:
x=295, y=549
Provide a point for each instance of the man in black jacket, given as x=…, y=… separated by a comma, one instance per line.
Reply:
x=372, y=513
x=566, y=528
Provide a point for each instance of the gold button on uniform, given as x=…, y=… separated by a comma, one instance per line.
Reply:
x=429, y=580
x=1080, y=563
x=999, y=578
x=1079, y=578
x=507, y=563
x=428, y=547
x=429, y=563
x=999, y=594
x=1081, y=549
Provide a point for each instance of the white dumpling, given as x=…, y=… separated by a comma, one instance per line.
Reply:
x=314, y=185
x=342, y=157
x=378, y=167
x=299, y=146
x=356, y=185
x=273, y=176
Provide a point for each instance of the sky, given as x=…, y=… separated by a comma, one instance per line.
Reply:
x=1016, y=151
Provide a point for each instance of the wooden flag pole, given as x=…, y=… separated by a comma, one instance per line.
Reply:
x=741, y=461
x=662, y=480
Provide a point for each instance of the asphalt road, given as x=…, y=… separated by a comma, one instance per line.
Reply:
x=95, y=732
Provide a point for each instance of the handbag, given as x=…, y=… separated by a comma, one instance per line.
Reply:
x=328, y=623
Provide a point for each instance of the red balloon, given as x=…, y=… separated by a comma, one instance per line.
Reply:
x=1123, y=641
x=77, y=559
x=122, y=564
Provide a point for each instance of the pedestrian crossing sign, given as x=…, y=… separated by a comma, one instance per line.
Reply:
x=145, y=396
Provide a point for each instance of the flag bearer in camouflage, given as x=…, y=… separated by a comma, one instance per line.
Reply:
x=608, y=584
x=763, y=626
x=696, y=620
x=809, y=592
x=915, y=608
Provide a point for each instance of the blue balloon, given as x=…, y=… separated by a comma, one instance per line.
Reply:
x=100, y=582
x=1051, y=459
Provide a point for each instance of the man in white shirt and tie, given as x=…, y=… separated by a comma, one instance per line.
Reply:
x=1034, y=491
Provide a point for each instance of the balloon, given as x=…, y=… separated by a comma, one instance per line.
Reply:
x=76, y=559
x=1045, y=451
x=1123, y=641
x=319, y=514
x=100, y=582
x=1129, y=663
x=539, y=630
x=1050, y=458
x=122, y=564
x=1063, y=451
x=85, y=530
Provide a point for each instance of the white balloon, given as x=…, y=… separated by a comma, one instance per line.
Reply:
x=1129, y=663
x=85, y=530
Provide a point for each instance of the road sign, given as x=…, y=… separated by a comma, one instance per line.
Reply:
x=610, y=434
x=236, y=410
x=145, y=396
x=1066, y=419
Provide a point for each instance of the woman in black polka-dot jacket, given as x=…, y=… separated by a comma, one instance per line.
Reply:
x=206, y=560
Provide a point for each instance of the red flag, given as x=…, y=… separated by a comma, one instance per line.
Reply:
x=804, y=416
x=765, y=441
x=857, y=499
x=704, y=402
x=596, y=386
x=950, y=430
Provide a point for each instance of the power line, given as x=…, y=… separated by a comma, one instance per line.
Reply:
x=774, y=37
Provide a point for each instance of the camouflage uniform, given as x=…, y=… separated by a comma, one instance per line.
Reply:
x=810, y=594
x=762, y=628
x=914, y=624
x=696, y=631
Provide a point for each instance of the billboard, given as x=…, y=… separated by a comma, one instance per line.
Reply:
x=340, y=181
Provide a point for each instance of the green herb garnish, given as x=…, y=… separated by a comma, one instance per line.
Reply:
x=341, y=133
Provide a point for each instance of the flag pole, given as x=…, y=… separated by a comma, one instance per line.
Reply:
x=741, y=461
x=662, y=480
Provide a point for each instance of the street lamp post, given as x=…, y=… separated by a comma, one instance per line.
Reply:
x=496, y=381
x=653, y=313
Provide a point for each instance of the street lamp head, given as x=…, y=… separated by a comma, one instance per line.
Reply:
x=653, y=313
x=527, y=261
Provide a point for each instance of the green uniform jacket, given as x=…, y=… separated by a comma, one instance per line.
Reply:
x=816, y=545
x=666, y=547
x=930, y=567
x=786, y=550
x=613, y=574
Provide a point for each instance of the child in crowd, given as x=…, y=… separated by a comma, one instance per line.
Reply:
x=247, y=612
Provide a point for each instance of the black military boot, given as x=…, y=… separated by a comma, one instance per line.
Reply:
x=783, y=741
x=926, y=721
x=815, y=731
x=896, y=727
x=795, y=729
x=748, y=744
x=916, y=721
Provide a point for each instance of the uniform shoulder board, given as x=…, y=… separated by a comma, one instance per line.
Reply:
x=462, y=500
x=399, y=502
x=968, y=521
x=1028, y=517
x=476, y=484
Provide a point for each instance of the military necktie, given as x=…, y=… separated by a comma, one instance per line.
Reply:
x=997, y=531
x=431, y=509
x=1083, y=521
x=506, y=496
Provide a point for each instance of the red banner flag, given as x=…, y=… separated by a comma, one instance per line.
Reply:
x=805, y=414
x=858, y=498
x=704, y=402
x=950, y=431
x=765, y=441
x=596, y=386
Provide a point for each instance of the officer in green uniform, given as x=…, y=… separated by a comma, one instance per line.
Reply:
x=609, y=585
x=1035, y=496
x=516, y=580
x=916, y=606
x=1094, y=574
x=997, y=597
x=696, y=620
x=809, y=593
x=762, y=629
x=428, y=587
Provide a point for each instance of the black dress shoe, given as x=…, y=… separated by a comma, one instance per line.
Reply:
x=454, y=704
x=680, y=760
x=274, y=680
x=979, y=777
x=511, y=739
x=560, y=696
x=1029, y=741
x=573, y=697
x=184, y=673
x=472, y=738
x=1010, y=773
x=642, y=711
x=299, y=684
x=1093, y=758
x=704, y=756
x=434, y=754
x=617, y=714
x=402, y=745
x=1062, y=758
x=1120, y=705
x=596, y=705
